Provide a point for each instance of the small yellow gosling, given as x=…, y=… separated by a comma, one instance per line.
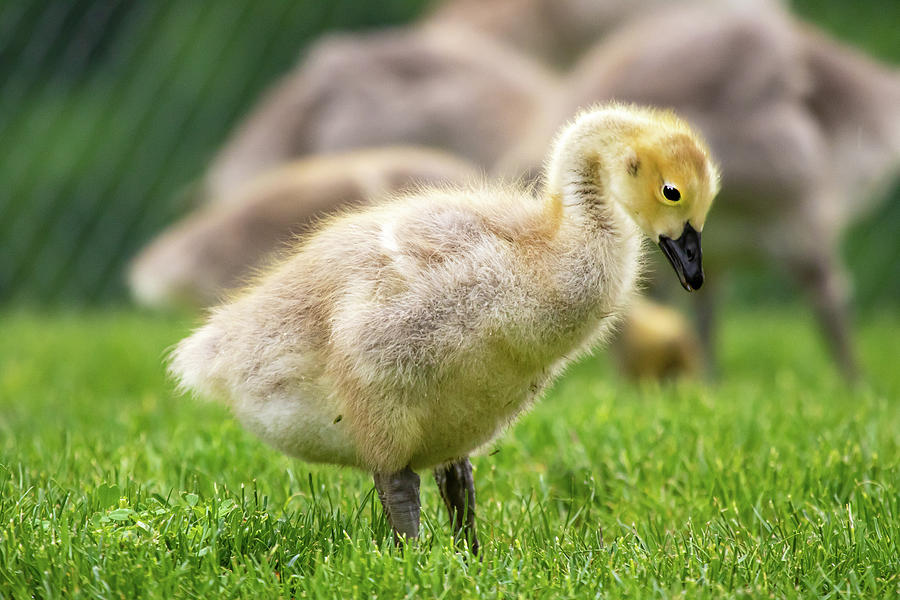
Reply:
x=657, y=342
x=409, y=334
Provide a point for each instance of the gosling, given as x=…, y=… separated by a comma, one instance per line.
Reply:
x=411, y=85
x=807, y=132
x=409, y=334
x=196, y=261
x=656, y=342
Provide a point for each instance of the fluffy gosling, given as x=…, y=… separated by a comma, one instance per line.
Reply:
x=656, y=342
x=196, y=261
x=412, y=85
x=409, y=334
x=806, y=129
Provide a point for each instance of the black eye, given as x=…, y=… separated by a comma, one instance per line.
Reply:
x=671, y=193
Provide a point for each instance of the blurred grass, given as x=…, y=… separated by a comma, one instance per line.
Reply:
x=778, y=481
x=108, y=109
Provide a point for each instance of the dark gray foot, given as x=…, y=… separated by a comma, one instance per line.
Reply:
x=458, y=491
x=399, y=493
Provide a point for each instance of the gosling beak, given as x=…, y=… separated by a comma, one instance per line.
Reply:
x=684, y=254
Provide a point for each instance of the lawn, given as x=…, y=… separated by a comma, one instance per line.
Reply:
x=776, y=481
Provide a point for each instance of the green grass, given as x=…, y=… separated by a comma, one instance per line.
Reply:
x=778, y=481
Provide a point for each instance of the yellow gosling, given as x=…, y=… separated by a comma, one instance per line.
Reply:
x=806, y=129
x=409, y=334
x=657, y=342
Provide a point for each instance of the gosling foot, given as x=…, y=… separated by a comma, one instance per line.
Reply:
x=399, y=494
x=457, y=488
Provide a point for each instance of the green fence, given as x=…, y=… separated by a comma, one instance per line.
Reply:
x=109, y=107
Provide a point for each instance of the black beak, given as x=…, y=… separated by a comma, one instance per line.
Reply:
x=684, y=254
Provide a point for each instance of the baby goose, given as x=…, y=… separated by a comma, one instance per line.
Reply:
x=411, y=85
x=213, y=250
x=657, y=342
x=556, y=31
x=807, y=132
x=409, y=334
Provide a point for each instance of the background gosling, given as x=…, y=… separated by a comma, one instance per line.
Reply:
x=657, y=342
x=196, y=261
x=807, y=132
x=409, y=334
x=441, y=86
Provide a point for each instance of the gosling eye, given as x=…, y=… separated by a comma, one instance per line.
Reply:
x=670, y=192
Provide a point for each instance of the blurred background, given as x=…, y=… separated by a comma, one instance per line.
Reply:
x=109, y=108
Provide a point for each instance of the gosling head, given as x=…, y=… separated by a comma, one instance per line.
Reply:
x=666, y=181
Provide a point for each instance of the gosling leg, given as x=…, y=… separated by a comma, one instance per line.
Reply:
x=458, y=491
x=399, y=494
x=823, y=280
x=705, y=308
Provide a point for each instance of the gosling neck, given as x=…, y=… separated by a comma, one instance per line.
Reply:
x=585, y=164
